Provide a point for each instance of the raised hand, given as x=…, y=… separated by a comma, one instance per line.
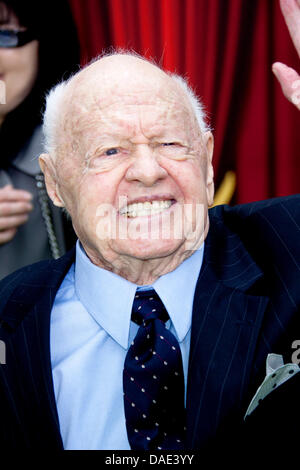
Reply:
x=288, y=78
x=15, y=206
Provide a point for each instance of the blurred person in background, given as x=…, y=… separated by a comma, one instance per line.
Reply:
x=38, y=48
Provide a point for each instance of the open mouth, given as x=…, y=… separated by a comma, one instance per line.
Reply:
x=147, y=208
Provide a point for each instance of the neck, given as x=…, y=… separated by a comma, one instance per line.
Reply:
x=143, y=271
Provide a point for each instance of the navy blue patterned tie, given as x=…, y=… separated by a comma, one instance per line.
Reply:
x=153, y=380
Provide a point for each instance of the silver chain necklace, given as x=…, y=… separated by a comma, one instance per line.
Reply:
x=47, y=216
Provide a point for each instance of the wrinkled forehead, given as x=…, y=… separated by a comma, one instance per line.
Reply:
x=105, y=96
x=135, y=110
x=124, y=101
x=105, y=92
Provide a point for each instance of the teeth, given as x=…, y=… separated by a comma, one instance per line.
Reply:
x=140, y=209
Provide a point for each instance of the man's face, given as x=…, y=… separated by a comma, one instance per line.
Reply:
x=137, y=184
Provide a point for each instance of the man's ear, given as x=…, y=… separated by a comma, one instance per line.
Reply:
x=48, y=168
x=210, y=187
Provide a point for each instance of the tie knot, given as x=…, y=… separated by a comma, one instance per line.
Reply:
x=148, y=306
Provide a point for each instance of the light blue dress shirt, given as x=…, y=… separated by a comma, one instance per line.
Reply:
x=90, y=334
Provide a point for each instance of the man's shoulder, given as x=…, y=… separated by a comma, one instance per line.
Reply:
x=281, y=214
x=44, y=274
x=269, y=230
x=270, y=207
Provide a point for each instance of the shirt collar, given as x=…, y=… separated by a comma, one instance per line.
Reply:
x=176, y=290
x=108, y=297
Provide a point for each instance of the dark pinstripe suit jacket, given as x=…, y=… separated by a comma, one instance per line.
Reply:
x=245, y=306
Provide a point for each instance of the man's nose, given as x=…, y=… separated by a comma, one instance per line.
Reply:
x=145, y=167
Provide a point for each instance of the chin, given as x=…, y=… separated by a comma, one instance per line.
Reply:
x=148, y=249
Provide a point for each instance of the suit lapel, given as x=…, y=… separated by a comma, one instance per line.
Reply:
x=27, y=320
x=227, y=316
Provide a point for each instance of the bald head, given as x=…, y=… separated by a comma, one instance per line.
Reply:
x=109, y=80
x=123, y=71
x=125, y=75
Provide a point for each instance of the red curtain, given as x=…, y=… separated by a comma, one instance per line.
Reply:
x=225, y=48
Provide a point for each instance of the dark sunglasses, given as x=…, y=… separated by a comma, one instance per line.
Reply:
x=14, y=38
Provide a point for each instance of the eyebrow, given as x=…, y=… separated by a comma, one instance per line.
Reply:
x=7, y=16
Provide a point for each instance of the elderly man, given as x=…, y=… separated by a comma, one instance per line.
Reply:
x=153, y=334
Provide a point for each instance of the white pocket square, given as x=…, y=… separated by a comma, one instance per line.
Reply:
x=276, y=374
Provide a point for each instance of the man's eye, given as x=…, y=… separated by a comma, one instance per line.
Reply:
x=165, y=144
x=112, y=151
